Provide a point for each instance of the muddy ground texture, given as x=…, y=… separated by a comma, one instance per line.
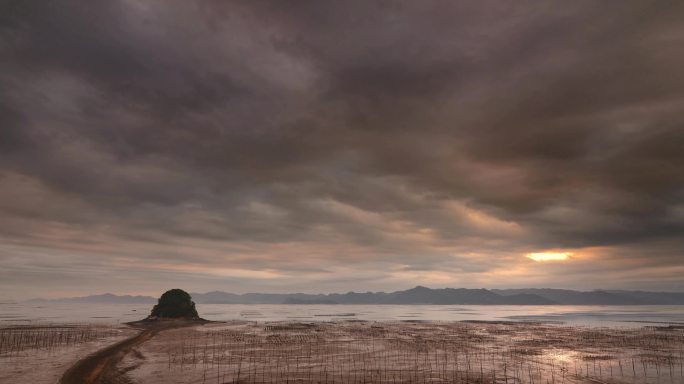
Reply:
x=404, y=352
x=370, y=352
x=41, y=353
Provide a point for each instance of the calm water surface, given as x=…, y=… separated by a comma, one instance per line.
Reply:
x=629, y=316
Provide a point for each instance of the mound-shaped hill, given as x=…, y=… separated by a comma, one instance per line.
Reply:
x=174, y=304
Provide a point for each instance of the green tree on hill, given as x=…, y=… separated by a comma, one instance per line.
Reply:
x=175, y=303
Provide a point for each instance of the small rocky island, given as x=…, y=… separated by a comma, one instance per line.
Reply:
x=174, y=304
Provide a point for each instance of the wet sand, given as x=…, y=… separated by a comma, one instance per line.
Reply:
x=40, y=354
x=376, y=352
x=408, y=352
x=102, y=366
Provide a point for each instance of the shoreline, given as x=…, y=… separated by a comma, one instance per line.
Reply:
x=569, y=315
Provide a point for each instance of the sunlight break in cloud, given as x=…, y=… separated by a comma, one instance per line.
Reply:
x=330, y=146
x=549, y=256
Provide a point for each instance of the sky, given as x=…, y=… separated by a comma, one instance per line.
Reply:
x=334, y=146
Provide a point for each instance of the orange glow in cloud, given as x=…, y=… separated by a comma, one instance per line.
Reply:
x=549, y=256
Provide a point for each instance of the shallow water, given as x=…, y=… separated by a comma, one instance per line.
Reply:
x=629, y=316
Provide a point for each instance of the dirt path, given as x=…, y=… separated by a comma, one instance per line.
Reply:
x=101, y=367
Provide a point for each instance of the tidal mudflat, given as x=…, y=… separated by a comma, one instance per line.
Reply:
x=41, y=353
x=349, y=352
x=408, y=352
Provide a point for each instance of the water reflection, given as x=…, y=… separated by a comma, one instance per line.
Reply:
x=625, y=316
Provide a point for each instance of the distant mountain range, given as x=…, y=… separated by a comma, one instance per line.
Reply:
x=106, y=298
x=417, y=295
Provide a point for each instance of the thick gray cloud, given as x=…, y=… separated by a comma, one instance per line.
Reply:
x=336, y=145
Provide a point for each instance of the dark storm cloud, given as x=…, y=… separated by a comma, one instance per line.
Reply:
x=419, y=136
